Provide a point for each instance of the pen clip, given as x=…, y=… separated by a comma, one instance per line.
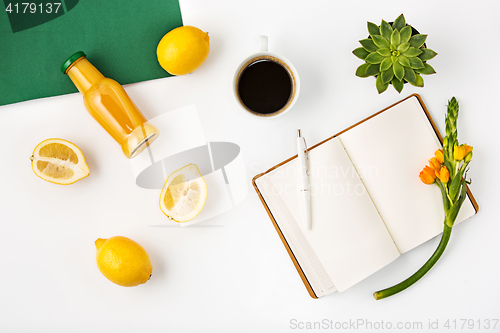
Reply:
x=306, y=152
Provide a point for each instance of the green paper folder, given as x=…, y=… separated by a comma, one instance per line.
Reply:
x=119, y=38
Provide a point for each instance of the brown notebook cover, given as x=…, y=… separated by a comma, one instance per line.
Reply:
x=278, y=230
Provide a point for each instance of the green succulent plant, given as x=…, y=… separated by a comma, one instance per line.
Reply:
x=393, y=55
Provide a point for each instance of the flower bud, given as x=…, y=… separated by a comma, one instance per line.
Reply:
x=439, y=156
x=443, y=174
x=427, y=175
x=445, y=141
x=459, y=153
x=434, y=164
x=467, y=148
x=468, y=157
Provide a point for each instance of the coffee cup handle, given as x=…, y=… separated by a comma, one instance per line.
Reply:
x=263, y=43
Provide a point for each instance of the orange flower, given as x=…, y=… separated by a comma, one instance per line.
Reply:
x=434, y=163
x=468, y=149
x=427, y=175
x=461, y=151
x=443, y=174
x=439, y=156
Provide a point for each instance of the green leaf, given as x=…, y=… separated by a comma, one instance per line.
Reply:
x=395, y=38
x=412, y=52
x=373, y=29
x=404, y=61
x=419, y=81
x=444, y=195
x=427, y=54
x=385, y=30
x=381, y=87
x=394, y=59
x=380, y=41
x=368, y=45
x=417, y=41
x=426, y=70
x=361, y=70
x=384, y=52
x=399, y=22
x=385, y=64
x=455, y=186
x=410, y=75
x=447, y=163
x=399, y=70
x=403, y=47
x=416, y=63
x=373, y=69
x=375, y=58
x=405, y=34
x=397, y=84
x=455, y=208
x=360, y=52
x=387, y=75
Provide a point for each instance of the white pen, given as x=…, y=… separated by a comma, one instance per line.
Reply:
x=304, y=181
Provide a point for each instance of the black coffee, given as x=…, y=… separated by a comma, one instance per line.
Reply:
x=265, y=86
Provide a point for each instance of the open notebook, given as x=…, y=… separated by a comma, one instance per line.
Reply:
x=368, y=205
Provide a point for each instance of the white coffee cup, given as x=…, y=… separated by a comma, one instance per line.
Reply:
x=266, y=86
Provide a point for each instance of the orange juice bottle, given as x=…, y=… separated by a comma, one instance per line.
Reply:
x=106, y=100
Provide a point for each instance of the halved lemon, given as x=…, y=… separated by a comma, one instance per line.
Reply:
x=59, y=161
x=184, y=194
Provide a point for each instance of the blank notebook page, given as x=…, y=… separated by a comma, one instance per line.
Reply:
x=347, y=234
x=389, y=151
x=309, y=263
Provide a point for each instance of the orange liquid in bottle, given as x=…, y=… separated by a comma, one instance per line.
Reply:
x=106, y=100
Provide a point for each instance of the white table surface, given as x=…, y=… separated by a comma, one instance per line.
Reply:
x=234, y=275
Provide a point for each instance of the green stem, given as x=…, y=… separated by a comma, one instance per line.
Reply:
x=444, y=193
x=448, y=195
x=421, y=272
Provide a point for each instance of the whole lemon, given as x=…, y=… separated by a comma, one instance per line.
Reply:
x=183, y=50
x=123, y=261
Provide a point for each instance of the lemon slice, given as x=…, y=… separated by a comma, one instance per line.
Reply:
x=184, y=194
x=59, y=161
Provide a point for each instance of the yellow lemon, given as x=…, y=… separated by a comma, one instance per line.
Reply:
x=184, y=194
x=59, y=161
x=183, y=50
x=123, y=261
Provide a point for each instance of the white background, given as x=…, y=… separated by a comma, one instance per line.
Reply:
x=234, y=275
